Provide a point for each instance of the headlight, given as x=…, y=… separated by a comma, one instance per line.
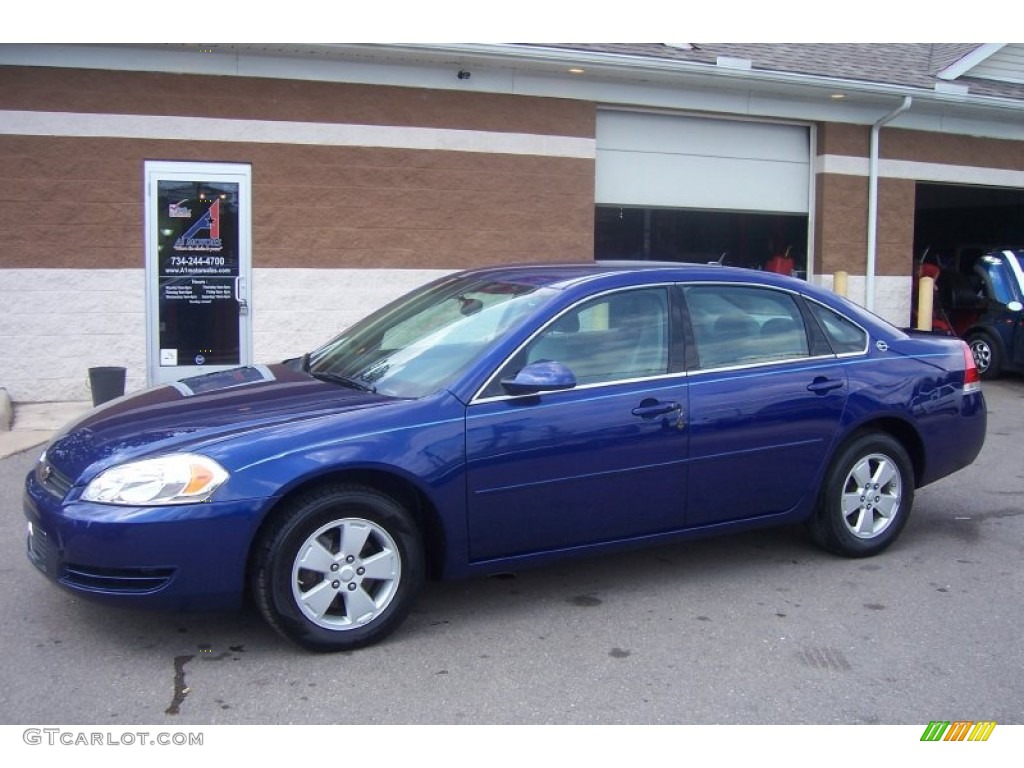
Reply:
x=182, y=478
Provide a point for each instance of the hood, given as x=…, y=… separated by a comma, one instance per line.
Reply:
x=182, y=415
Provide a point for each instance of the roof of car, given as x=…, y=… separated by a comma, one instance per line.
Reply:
x=568, y=273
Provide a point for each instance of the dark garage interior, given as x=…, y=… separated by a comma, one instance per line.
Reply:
x=953, y=220
x=747, y=239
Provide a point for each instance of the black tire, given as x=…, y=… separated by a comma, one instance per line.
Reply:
x=365, y=566
x=987, y=354
x=850, y=522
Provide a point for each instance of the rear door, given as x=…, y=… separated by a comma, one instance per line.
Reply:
x=766, y=397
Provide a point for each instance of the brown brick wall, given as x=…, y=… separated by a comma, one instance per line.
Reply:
x=354, y=207
x=841, y=224
x=921, y=146
x=250, y=98
x=78, y=202
x=895, y=244
x=952, y=150
x=843, y=139
x=841, y=236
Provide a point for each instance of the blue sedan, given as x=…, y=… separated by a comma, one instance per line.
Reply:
x=497, y=419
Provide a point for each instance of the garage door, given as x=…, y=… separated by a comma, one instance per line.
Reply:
x=687, y=162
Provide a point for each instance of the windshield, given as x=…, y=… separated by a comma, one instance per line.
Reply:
x=419, y=344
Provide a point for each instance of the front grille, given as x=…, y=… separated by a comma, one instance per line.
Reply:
x=123, y=580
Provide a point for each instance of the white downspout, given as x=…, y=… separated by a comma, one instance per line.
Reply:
x=873, y=200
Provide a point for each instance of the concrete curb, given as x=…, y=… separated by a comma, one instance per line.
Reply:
x=18, y=441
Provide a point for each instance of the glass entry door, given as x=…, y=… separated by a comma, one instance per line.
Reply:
x=198, y=265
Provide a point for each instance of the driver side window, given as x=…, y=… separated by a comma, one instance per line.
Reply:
x=614, y=337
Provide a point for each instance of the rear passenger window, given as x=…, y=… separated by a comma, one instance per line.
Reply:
x=744, y=325
x=844, y=336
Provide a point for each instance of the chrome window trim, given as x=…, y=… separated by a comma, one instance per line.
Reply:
x=579, y=387
x=762, y=364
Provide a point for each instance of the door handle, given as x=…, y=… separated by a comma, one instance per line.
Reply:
x=243, y=304
x=648, y=409
x=822, y=386
x=651, y=408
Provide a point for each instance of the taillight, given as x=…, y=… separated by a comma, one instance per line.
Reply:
x=972, y=379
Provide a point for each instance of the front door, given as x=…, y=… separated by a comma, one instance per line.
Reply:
x=198, y=268
x=602, y=462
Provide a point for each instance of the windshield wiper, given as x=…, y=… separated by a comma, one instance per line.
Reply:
x=345, y=381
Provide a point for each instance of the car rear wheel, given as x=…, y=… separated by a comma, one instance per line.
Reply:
x=339, y=568
x=986, y=355
x=866, y=499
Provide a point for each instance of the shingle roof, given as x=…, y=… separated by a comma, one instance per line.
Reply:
x=902, y=64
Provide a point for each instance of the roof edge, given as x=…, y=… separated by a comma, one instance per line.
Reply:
x=539, y=54
x=970, y=61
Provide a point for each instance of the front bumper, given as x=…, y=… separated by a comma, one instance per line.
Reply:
x=182, y=557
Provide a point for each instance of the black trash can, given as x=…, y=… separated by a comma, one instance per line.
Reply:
x=106, y=382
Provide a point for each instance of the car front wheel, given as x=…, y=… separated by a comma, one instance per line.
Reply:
x=339, y=568
x=866, y=499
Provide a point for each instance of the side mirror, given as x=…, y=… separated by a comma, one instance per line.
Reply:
x=469, y=306
x=541, y=376
x=1015, y=306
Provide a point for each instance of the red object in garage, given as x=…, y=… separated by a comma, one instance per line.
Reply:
x=780, y=263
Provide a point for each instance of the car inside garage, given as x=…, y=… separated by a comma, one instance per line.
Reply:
x=968, y=239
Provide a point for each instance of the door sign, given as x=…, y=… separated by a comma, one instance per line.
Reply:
x=198, y=273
